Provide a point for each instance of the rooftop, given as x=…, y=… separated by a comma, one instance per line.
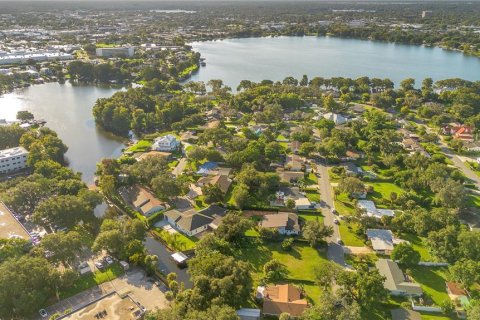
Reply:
x=12, y=152
x=9, y=226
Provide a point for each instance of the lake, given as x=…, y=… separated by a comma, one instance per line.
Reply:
x=256, y=59
x=67, y=109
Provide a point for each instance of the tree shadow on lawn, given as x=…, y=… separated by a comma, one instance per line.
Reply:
x=433, y=283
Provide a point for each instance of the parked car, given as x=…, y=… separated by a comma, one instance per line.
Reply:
x=336, y=221
x=99, y=265
x=339, y=241
x=108, y=260
x=43, y=313
x=334, y=211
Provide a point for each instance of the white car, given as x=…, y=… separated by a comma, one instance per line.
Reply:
x=43, y=313
x=108, y=260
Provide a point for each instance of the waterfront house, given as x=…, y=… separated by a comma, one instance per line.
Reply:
x=167, y=143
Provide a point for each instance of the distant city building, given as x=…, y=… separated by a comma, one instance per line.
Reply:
x=13, y=159
x=426, y=14
x=23, y=57
x=115, y=52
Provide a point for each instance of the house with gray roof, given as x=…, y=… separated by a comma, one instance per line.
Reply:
x=396, y=281
x=188, y=222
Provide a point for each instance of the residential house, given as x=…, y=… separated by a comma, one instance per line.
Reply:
x=457, y=294
x=335, y=117
x=286, y=193
x=372, y=211
x=396, y=281
x=352, y=170
x=286, y=223
x=472, y=146
x=188, y=222
x=405, y=314
x=461, y=132
x=167, y=143
x=294, y=163
x=290, y=176
x=284, y=298
x=208, y=168
x=382, y=241
x=142, y=200
x=191, y=222
x=219, y=180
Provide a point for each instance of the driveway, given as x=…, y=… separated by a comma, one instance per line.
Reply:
x=165, y=263
x=335, y=251
x=178, y=170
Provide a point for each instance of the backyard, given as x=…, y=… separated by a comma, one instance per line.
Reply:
x=300, y=262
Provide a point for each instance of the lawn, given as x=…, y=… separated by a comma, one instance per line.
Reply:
x=176, y=241
x=432, y=280
x=300, y=262
x=140, y=146
x=473, y=201
x=92, y=279
x=382, y=190
x=348, y=235
x=310, y=215
x=343, y=205
x=313, y=195
x=418, y=244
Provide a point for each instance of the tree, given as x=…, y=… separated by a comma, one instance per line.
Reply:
x=64, y=246
x=166, y=187
x=287, y=244
x=10, y=136
x=364, y=287
x=25, y=286
x=218, y=280
x=24, y=115
x=290, y=203
x=315, y=232
x=285, y=316
x=330, y=104
x=240, y=195
x=451, y=195
x=274, y=271
x=405, y=254
x=350, y=185
x=212, y=193
x=466, y=272
x=447, y=307
x=473, y=310
x=332, y=307
x=63, y=211
x=233, y=227
x=112, y=241
x=443, y=243
x=325, y=274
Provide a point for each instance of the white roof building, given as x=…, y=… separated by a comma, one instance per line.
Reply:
x=372, y=211
x=166, y=143
x=13, y=159
x=335, y=117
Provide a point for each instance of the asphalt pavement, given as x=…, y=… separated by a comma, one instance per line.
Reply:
x=335, y=251
x=165, y=263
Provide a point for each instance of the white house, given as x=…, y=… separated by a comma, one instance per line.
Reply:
x=372, y=211
x=166, y=143
x=13, y=159
x=335, y=117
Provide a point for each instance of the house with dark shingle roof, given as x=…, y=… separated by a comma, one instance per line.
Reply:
x=191, y=222
x=284, y=222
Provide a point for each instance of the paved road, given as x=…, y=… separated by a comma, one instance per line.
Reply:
x=455, y=159
x=164, y=261
x=335, y=251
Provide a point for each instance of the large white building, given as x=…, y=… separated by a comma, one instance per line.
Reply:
x=115, y=52
x=13, y=159
x=23, y=57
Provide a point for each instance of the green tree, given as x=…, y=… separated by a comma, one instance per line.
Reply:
x=64, y=246
x=233, y=227
x=24, y=115
x=274, y=271
x=240, y=195
x=212, y=193
x=405, y=254
x=315, y=232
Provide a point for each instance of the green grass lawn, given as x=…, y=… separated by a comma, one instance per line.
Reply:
x=432, y=280
x=140, y=146
x=300, y=262
x=348, y=235
x=176, y=241
x=310, y=215
x=92, y=279
x=311, y=179
x=382, y=190
x=473, y=201
x=313, y=195
x=343, y=205
x=418, y=244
